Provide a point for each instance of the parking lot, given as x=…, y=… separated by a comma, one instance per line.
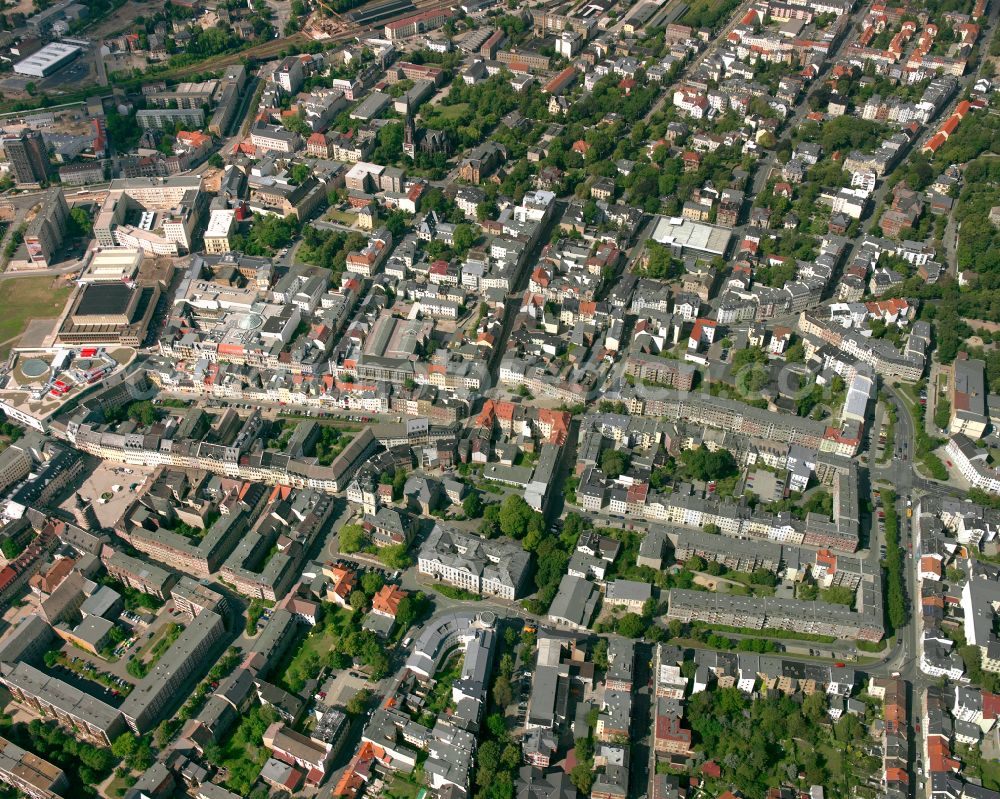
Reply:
x=111, y=488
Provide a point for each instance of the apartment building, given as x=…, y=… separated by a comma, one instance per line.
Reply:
x=29, y=774
x=159, y=118
x=139, y=575
x=819, y=618
x=161, y=688
x=72, y=709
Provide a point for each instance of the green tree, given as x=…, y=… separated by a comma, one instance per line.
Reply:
x=472, y=505
x=358, y=600
x=613, y=462
x=632, y=625
x=80, y=221
x=357, y=703
x=372, y=582
x=352, y=538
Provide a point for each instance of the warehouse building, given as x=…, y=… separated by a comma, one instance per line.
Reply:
x=48, y=60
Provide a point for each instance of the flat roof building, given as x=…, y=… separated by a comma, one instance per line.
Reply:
x=112, y=266
x=49, y=59
x=161, y=688
x=29, y=774
x=968, y=398
x=684, y=236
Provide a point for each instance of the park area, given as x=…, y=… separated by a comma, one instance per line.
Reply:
x=25, y=299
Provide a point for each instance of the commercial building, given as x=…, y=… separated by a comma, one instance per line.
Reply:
x=46, y=231
x=574, y=603
x=416, y=24
x=28, y=157
x=156, y=215
x=968, y=398
x=161, y=688
x=685, y=237
x=109, y=313
x=112, y=266
x=51, y=58
x=221, y=225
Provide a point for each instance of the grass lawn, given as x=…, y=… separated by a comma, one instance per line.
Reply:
x=990, y=771
x=342, y=217
x=439, y=697
x=315, y=649
x=160, y=642
x=117, y=786
x=401, y=789
x=449, y=112
x=24, y=299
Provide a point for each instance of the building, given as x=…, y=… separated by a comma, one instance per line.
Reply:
x=161, y=688
x=482, y=566
x=289, y=74
x=140, y=576
x=221, y=225
x=628, y=594
x=310, y=754
x=109, y=313
x=574, y=603
x=28, y=157
x=820, y=618
x=685, y=237
x=968, y=398
x=51, y=58
x=69, y=707
x=29, y=774
x=417, y=24
x=46, y=231
x=159, y=118
x=82, y=173
x=112, y=266
x=156, y=215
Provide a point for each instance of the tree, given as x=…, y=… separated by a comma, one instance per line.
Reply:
x=356, y=704
x=143, y=412
x=215, y=160
x=695, y=564
x=395, y=557
x=600, y=656
x=124, y=746
x=515, y=514
x=503, y=695
x=371, y=582
x=299, y=173
x=702, y=464
x=80, y=221
x=631, y=625
x=164, y=732
x=352, y=538
x=358, y=600
x=472, y=505
x=614, y=462
x=582, y=777
x=464, y=238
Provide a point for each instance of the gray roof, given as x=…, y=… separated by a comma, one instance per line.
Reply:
x=575, y=601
